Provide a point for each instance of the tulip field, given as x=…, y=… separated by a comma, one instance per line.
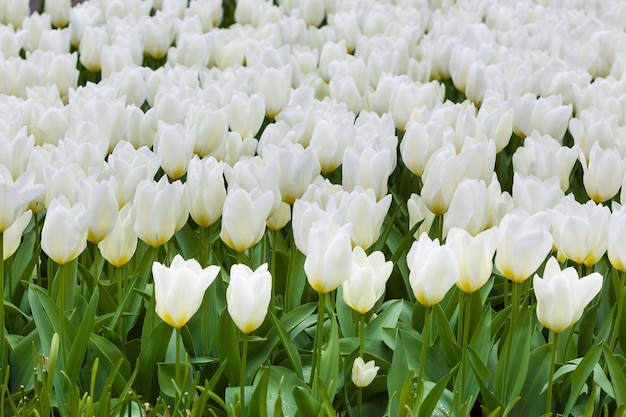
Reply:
x=357, y=208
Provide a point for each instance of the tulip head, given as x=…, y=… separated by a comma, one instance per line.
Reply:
x=64, y=232
x=367, y=280
x=248, y=296
x=179, y=289
x=562, y=296
x=433, y=270
x=474, y=255
x=329, y=257
x=363, y=373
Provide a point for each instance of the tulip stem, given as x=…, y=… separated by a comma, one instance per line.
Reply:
x=620, y=307
x=361, y=334
x=420, y=377
x=551, y=374
x=359, y=402
x=242, y=390
x=317, y=343
x=3, y=362
x=177, y=370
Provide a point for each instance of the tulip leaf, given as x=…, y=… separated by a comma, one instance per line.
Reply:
x=387, y=318
x=153, y=348
x=79, y=345
x=433, y=398
x=109, y=356
x=347, y=317
x=258, y=402
x=489, y=400
x=329, y=365
x=451, y=349
x=228, y=348
x=188, y=241
x=532, y=401
x=581, y=374
x=307, y=405
x=618, y=379
x=290, y=348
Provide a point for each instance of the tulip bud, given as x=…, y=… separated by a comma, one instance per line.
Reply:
x=468, y=207
x=64, y=232
x=363, y=209
x=93, y=40
x=16, y=196
x=329, y=257
x=248, y=296
x=523, y=243
x=244, y=217
x=616, y=242
x=474, y=255
x=535, y=195
x=207, y=192
x=433, y=270
x=562, y=296
x=12, y=237
x=179, y=289
x=59, y=10
x=367, y=280
x=173, y=144
x=603, y=174
x=363, y=373
x=368, y=169
x=119, y=246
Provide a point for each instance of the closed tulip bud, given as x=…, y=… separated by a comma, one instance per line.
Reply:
x=59, y=10
x=212, y=125
x=419, y=142
x=603, y=173
x=100, y=203
x=580, y=231
x=119, y=246
x=248, y=296
x=369, y=169
x=468, y=207
x=90, y=50
x=15, y=152
x=280, y=217
x=363, y=209
x=329, y=257
x=547, y=115
x=174, y=144
x=442, y=175
x=158, y=34
x=64, y=232
x=523, y=243
x=179, y=289
x=562, y=296
x=246, y=113
x=474, y=255
x=12, y=237
x=130, y=166
x=244, y=217
x=157, y=210
x=363, y=373
x=275, y=87
x=433, y=270
x=207, y=192
x=535, y=195
x=367, y=280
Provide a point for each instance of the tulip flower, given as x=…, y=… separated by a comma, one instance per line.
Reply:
x=248, y=296
x=363, y=373
x=207, y=192
x=101, y=204
x=64, y=232
x=535, y=195
x=474, y=255
x=119, y=246
x=13, y=235
x=158, y=209
x=367, y=279
x=179, y=288
x=15, y=197
x=362, y=208
x=244, y=217
x=329, y=257
x=603, y=173
x=616, y=249
x=523, y=243
x=580, y=231
x=368, y=169
x=442, y=174
x=433, y=270
x=562, y=296
x=174, y=145
x=468, y=207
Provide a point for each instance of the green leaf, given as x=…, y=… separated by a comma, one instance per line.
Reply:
x=533, y=395
x=581, y=374
x=228, y=348
x=387, y=318
x=451, y=348
x=329, y=363
x=304, y=401
x=153, y=348
x=618, y=379
x=434, y=395
x=489, y=401
x=111, y=358
x=80, y=342
x=292, y=352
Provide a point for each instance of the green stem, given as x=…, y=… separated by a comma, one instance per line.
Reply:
x=290, y=268
x=551, y=374
x=273, y=270
x=438, y=227
x=359, y=402
x=467, y=306
x=63, y=277
x=177, y=370
x=242, y=385
x=120, y=297
x=361, y=335
x=620, y=306
x=420, y=377
x=319, y=335
x=515, y=303
x=3, y=361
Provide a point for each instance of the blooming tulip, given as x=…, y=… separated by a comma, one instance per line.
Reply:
x=468, y=207
x=535, y=195
x=362, y=208
x=433, y=270
x=363, y=373
x=64, y=232
x=367, y=279
x=329, y=257
x=207, y=192
x=248, y=296
x=562, y=296
x=603, y=173
x=179, y=288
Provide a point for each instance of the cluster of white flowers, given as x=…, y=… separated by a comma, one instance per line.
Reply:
x=246, y=121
